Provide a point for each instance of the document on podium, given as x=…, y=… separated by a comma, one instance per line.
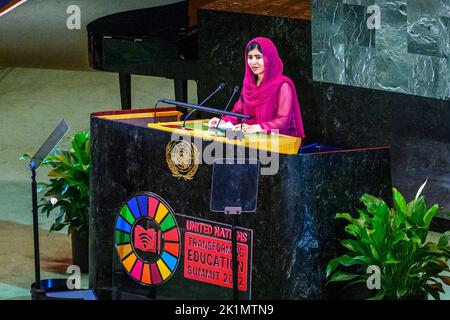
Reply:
x=224, y=125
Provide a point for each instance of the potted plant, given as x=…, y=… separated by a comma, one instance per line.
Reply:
x=68, y=192
x=393, y=243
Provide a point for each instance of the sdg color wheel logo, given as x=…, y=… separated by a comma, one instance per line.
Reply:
x=147, y=239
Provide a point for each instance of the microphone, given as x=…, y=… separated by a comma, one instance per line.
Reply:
x=235, y=90
x=219, y=88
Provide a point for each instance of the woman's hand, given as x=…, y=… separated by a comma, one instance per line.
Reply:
x=223, y=124
x=248, y=128
x=213, y=122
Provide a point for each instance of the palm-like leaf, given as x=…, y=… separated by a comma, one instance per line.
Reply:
x=394, y=239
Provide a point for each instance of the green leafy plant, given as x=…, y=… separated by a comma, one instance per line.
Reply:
x=393, y=240
x=68, y=188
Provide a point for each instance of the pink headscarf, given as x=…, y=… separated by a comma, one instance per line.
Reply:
x=264, y=97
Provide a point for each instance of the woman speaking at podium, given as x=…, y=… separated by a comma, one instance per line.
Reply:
x=267, y=95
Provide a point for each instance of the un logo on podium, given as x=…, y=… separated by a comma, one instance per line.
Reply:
x=182, y=158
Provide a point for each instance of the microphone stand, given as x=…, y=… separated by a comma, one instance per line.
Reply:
x=206, y=109
x=155, y=108
x=235, y=90
x=154, y=111
x=219, y=88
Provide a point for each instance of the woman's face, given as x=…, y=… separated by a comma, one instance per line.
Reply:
x=256, y=62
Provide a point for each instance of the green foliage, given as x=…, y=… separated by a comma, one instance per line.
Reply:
x=69, y=185
x=394, y=239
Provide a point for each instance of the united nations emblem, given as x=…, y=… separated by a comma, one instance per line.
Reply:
x=182, y=158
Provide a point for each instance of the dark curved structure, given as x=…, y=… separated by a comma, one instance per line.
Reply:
x=155, y=42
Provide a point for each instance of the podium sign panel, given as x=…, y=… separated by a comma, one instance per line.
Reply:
x=235, y=184
x=208, y=253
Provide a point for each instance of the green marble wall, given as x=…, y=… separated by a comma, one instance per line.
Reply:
x=409, y=53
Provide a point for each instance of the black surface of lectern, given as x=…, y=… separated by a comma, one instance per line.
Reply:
x=153, y=233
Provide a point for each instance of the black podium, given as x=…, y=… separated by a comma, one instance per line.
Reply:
x=139, y=188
